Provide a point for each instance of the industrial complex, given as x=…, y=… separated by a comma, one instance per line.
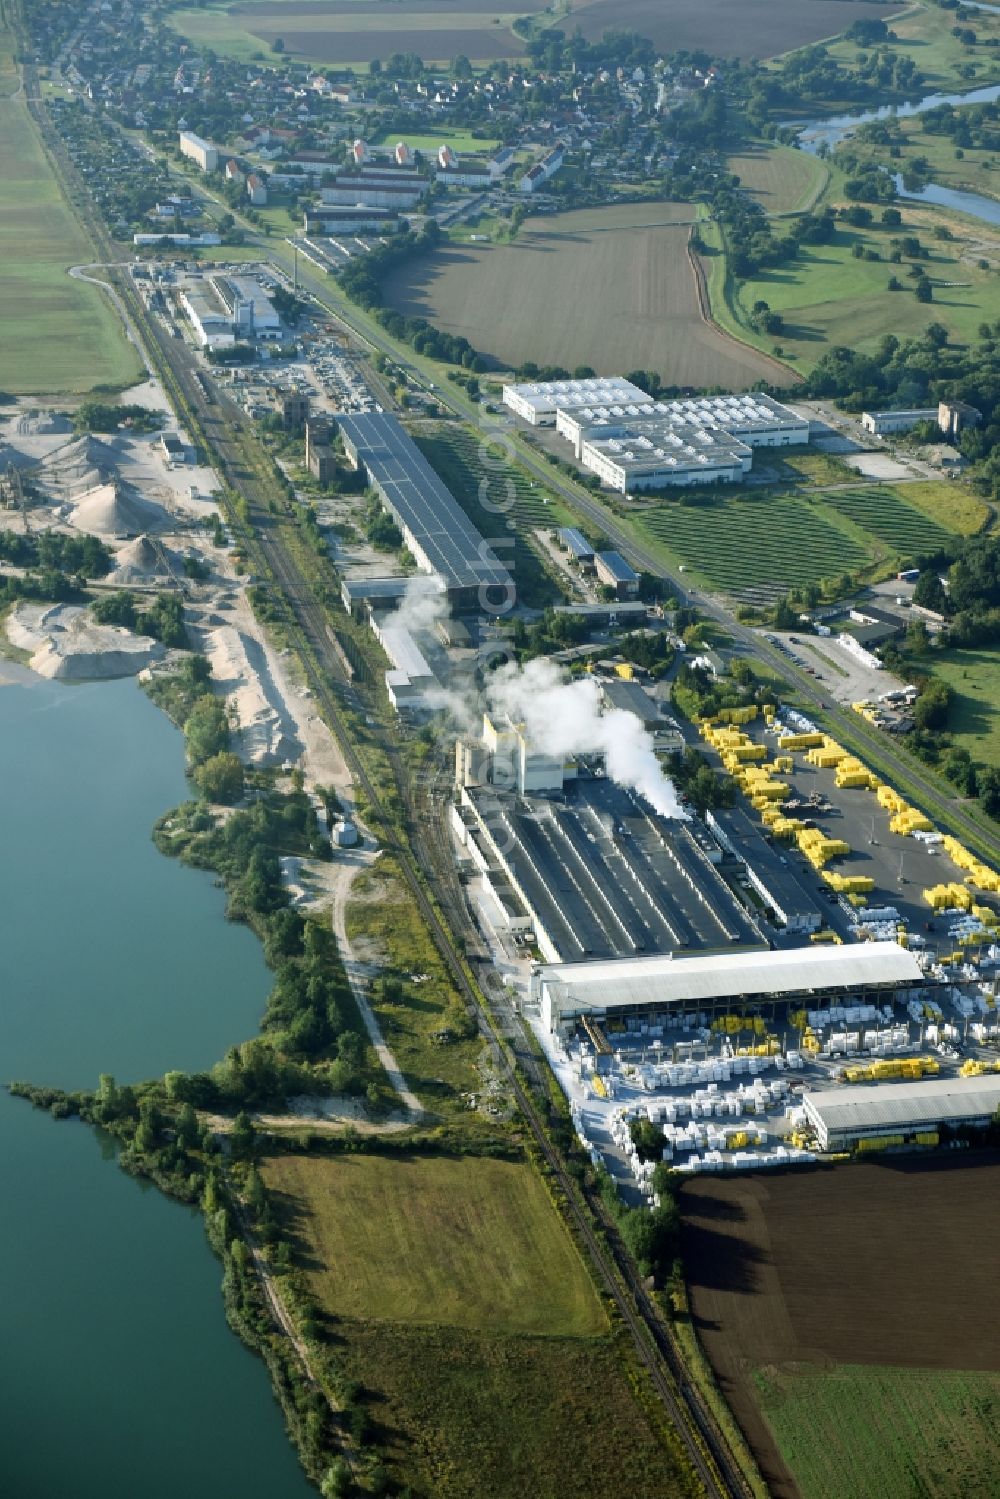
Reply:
x=713, y=977
x=634, y=443
x=601, y=877
x=224, y=310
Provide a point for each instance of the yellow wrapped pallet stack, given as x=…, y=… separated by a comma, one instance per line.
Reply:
x=800, y=741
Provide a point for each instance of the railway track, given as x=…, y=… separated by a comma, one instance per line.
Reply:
x=426, y=851
x=424, y=856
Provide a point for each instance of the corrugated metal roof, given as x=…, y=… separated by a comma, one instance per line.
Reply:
x=666, y=980
x=878, y=1105
x=420, y=502
x=616, y=566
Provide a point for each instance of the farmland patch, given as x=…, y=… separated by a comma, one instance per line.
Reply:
x=58, y=334
x=358, y=31
x=467, y=1242
x=885, y=1266
x=728, y=28
x=849, y=1432
x=610, y=297
x=782, y=179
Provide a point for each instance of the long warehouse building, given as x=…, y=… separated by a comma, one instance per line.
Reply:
x=889, y=1113
x=601, y=878
x=435, y=527
x=643, y=987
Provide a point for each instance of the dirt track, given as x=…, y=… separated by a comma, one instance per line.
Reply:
x=890, y=1263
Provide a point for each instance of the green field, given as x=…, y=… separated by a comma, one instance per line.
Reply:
x=381, y=914
x=952, y=505
x=510, y=504
x=924, y=34
x=850, y=1432
x=742, y=540
x=974, y=720
x=827, y=296
x=782, y=179
x=470, y=1242
x=470, y=1416
x=462, y=141
x=461, y=1306
x=58, y=335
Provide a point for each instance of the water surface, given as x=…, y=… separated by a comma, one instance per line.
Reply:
x=119, y=1378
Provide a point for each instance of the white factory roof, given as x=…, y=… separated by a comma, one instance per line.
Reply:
x=578, y=417
x=882, y=1105
x=403, y=651
x=552, y=395
x=666, y=980
x=665, y=444
x=738, y=413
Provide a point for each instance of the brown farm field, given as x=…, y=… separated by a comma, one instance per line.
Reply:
x=725, y=28
x=584, y=288
x=357, y=31
x=866, y=1274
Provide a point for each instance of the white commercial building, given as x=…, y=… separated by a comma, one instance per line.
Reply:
x=757, y=420
x=537, y=175
x=649, y=986
x=540, y=402
x=223, y=309
x=201, y=151
x=191, y=241
x=409, y=677
x=894, y=1111
x=882, y=423
x=634, y=457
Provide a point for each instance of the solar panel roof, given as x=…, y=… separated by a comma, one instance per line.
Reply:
x=420, y=502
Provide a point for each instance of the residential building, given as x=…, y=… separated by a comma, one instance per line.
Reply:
x=200, y=151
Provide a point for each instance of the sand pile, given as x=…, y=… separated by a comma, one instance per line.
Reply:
x=67, y=644
x=114, y=510
x=79, y=465
x=267, y=732
x=144, y=561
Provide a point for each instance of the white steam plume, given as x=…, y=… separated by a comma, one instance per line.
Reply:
x=564, y=718
x=421, y=609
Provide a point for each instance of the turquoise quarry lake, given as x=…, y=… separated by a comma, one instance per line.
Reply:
x=118, y=1375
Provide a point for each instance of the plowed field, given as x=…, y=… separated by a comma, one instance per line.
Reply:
x=584, y=288
x=888, y=1265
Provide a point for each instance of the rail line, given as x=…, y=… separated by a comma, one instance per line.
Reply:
x=329, y=679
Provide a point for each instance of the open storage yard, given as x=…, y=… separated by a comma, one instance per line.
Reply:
x=463, y=1308
x=850, y=1315
x=757, y=539
x=357, y=31
x=584, y=288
